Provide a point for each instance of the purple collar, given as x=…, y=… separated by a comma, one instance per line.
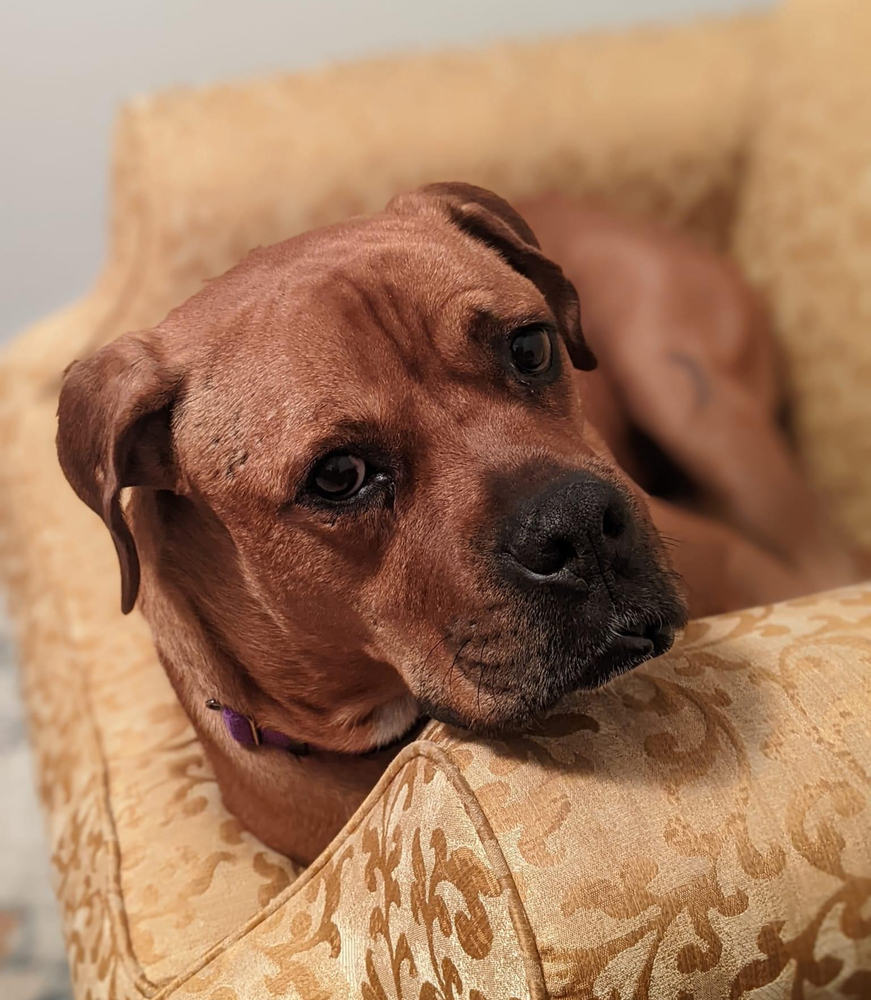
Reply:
x=243, y=729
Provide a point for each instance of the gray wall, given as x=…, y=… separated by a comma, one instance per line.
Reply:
x=65, y=66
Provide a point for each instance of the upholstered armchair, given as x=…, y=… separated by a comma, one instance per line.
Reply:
x=702, y=827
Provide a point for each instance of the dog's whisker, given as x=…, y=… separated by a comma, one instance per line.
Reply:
x=492, y=712
x=452, y=669
x=481, y=669
x=423, y=667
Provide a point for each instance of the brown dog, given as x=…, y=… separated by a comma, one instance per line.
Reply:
x=365, y=490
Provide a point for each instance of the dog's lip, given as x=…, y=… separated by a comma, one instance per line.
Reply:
x=637, y=642
x=653, y=638
x=634, y=644
x=630, y=644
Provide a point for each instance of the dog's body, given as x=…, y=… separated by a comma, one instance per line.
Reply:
x=367, y=484
x=689, y=395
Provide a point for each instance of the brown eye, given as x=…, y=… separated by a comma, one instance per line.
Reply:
x=532, y=351
x=338, y=477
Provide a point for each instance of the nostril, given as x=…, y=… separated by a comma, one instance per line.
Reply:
x=557, y=553
x=613, y=524
x=545, y=557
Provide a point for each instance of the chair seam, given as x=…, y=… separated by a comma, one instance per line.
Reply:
x=421, y=749
x=523, y=931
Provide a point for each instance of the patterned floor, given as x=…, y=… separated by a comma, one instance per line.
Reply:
x=32, y=962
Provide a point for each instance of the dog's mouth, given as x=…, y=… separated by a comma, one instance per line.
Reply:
x=511, y=697
x=631, y=646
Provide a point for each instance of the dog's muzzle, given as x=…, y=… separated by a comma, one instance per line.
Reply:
x=576, y=548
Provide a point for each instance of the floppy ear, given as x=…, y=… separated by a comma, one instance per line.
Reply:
x=114, y=431
x=488, y=218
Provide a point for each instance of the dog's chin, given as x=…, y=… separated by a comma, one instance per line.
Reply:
x=511, y=717
x=516, y=706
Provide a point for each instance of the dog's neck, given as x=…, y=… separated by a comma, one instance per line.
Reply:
x=296, y=804
x=295, y=797
x=261, y=781
x=394, y=723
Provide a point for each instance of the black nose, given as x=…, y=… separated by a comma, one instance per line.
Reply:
x=576, y=527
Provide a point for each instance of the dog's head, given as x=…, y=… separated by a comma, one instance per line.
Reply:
x=370, y=473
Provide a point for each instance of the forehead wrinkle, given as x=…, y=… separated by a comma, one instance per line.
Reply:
x=372, y=304
x=398, y=296
x=382, y=311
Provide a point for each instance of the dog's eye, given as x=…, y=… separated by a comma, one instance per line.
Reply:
x=339, y=476
x=532, y=350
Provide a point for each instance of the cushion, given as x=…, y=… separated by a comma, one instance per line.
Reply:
x=804, y=235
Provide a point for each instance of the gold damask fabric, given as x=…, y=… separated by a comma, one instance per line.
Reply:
x=699, y=829
x=702, y=827
x=804, y=235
